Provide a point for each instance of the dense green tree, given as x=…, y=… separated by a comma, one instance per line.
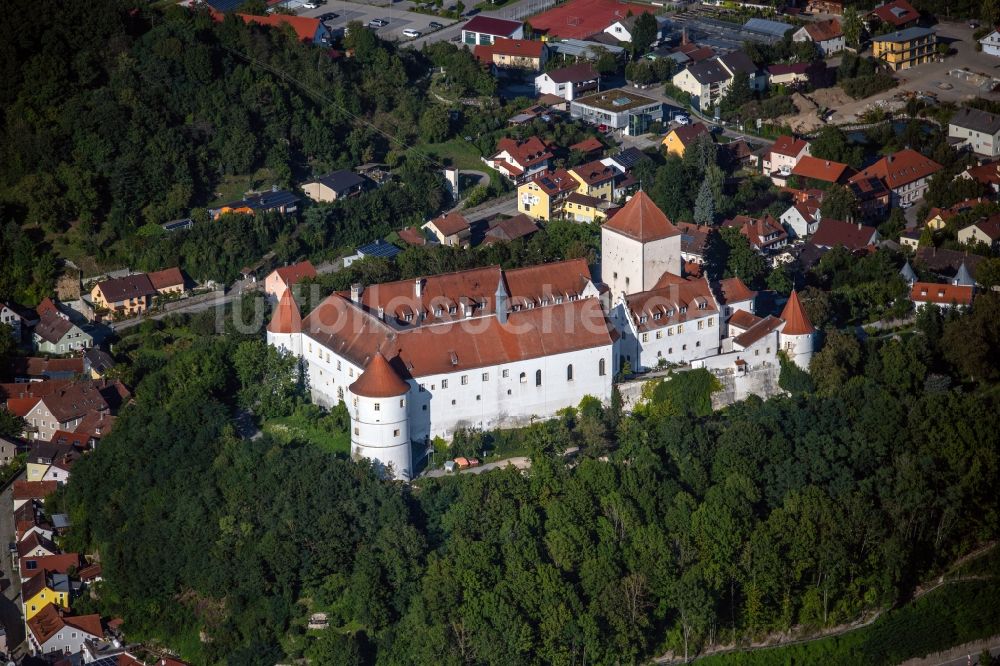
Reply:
x=836, y=362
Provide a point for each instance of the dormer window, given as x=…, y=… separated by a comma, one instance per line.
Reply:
x=438, y=312
x=452, y=310
x=559, y=299
x=656, y=316
x=408, y=317
x=642, y=319
x=683, y=310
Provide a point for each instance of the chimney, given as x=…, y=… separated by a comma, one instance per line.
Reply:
x=356, y=292
x=418, y=287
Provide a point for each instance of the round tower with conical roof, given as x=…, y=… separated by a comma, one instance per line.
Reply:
x=797, y=336
x=285, y=329
x=380, y=429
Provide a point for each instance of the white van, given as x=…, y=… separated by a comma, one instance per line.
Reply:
x=411, y=33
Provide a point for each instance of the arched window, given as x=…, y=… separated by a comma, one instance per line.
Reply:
x=600, y=367
x=523, y=378
x=569, y=372
x=538, y=377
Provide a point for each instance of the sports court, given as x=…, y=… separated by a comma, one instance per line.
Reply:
x=579, y=19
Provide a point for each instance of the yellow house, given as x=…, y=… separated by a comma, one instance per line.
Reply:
x=43, y=589
x=678, y=139
x=581, y=208
x=543, y=197
x=128, y=296
x=905, y=48
x=595, y=179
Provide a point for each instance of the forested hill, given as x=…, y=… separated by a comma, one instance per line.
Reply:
x=803, y=511
x=117, y=117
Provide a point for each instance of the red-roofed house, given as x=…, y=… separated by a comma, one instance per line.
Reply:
x=678, y=139
x=60, y=563
x=167, y=281
x=568, y=82
x=984, y=231
x=827, y=35
x=50, y=632
x=306, y=29
x=987, y=174
x=907, y=174
x=543, y=196
x=944, y=296
x=764, y=233
x=285, y=277
x=824, y=171
x=506, y=53
x=451, y=229
x=832, y=233
x=897, y=14
x=519, y=161
x=783, y=156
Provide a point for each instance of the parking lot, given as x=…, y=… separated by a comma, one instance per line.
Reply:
x=396, y=14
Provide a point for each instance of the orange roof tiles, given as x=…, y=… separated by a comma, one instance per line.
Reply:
x=757, y=331
x=733, y=291
x=901, y=168
x=451, y=224
x=795, y=317
x=943, y=294
x=168, y=277
x=642, y=220
x=523, y=48
x=295, y=272
x=822, y=31
x=744, y=320
x=590, y=144
x=819, y=169
x=60, y=563
x=27, y=490
x=788, y=145
x=286, y=318
x=555, y=181
x=49, y=621
x=305, y=28
x=525, y=153
x=687, y=134
x=684, y=300
x=412, y=236
x=896, y=13
x=593, y=173
x=379, y=380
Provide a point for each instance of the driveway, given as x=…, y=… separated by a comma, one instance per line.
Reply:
x=520, y=462
x=398, y=14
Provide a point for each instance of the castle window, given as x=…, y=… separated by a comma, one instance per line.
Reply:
x=524, y=378
x=569, y=372
x=701, y=325
x=402, y=402
x=642, y=319
x=656, y=316
x=453, y=402
x=659, y=334
x=444, y=383
x=670, y=350
x=711, y=322
x=338, y=365
x=465, y=379
x=377, y=407
x=645, y=337
x=452, y=310
x=355, y=430
x=538, y=377
x=486, y=376
x=438, y=312
x=506, y=374
x=680, y=328
x=395, y=433
x=670, y=331
x=600, y=367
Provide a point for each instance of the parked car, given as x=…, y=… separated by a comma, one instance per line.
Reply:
x=309, y=5
x=329, y=16
x=378, y=23
x=682, y=120
x=411, y=33
x=434, y=25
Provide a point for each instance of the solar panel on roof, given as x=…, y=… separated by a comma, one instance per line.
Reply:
x=621, y=101
x=379, y=249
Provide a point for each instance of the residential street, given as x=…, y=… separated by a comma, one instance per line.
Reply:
x=10, y=600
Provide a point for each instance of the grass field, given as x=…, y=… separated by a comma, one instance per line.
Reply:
x=290, y=428
x=457, y=152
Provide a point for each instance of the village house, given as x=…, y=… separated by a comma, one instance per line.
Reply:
x=333, y=186
x=984, y=231
x=785, y=74
x=285, y=277
x=618, y=109
x=66, y=407
x=97, y=363
x=36, y=368
x=8, y=449
x=35, y=545
x=897, y=15
x=50, y=632
x=276, y=201
x=50, y=461
x=942, y=296
x=308, y=30
x=486, y=30
x=906, y=174
x=452, y=230
x=764, y=233
x=377, y=249
x=988, y=174
x=694, y=241
x=123, y=297
x=833, y=233
x=802, y=218
x=582, y=208
x=679, y=138
x=56, y=334
x=872, y=195
x=595, y=179
x=61, y=563
x=519, y=160
x=542, y=197
x=30, y=492
x=906, y=48
x=784, y=155
x=506, y=53
x=979, y=130
x=19, y=319
x=43, y=589
x=168, y=282
x=708, y=81
x=826, y=35
x=991, y=43
x=591, y=147
x=568, y=82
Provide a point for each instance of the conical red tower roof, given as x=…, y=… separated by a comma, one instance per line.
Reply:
x=286, y=317
x=796, y=320
x=642, y=220
x=379, y=380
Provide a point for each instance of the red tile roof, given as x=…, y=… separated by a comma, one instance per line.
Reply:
x=832, y=233
x=642, y=220
x=744, y=320
x=762, y=232
x=80, y=398
x=33, y=542
x=896, y=13
x=49, y=621
x=516, y=48
x=822, y=31
x=52, y=327
x=96, y=424
x=125, y=288
x=594, y=173
x=168, y=277
x=661, y=306
x=577, y=73
x=819, y=169
x=555, y=182
x=379, y=380
x=581, y=19
x=733, y=290
x=988, y=174
x=21, y=406
x=451, y=224
x=34, y=366
x=757, y=331
x=990, y=227
x=512, y=228
x=286, y=317
x=795, y=317
x=788, y=145
x=60, y=563
x=588, y=145
x=47, y=306
x=295, y=272
x=687, y=134
x=944, y=294
x=526, y=153
x=901, y=168
x=412, y=236
x=28, y=490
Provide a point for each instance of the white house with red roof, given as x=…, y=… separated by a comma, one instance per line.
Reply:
x=483, y=30
x=285, y=277
x=520, y=160
x=785, y=153
x=827, y=35
x=906, y=173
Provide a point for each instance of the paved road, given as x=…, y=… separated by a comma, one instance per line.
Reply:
x=970, y=657
x=207, y=304
x=10, y=600
x=520, y=462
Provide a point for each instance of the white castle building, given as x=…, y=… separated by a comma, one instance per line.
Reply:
x=487, y=348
